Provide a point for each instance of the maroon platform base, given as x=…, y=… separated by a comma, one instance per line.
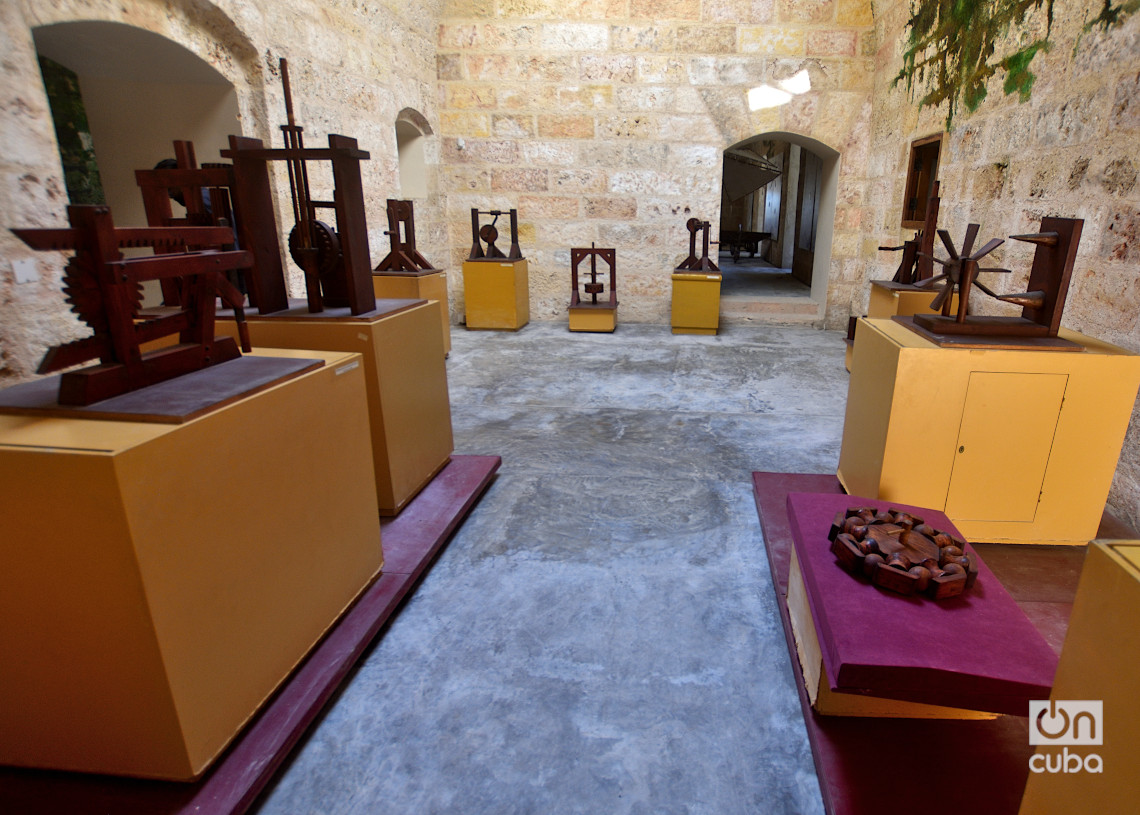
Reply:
x=869, y=766
x=411, y=540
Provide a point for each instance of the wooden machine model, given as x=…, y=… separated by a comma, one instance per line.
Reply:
x=917, y=262
x=594, y=287
x=335, y=261
x=593, y=314
x=897, y=551
x=693, y=263
x=105, y=291
x=403, y=257
x=1042, y=304
x=488, y=234
x=212, y=194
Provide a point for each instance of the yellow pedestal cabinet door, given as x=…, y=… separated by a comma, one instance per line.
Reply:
x=1003, y=450
x=1014, y=446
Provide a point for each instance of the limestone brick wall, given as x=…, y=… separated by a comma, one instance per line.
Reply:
x=604, y=121
x=353, y=68
x=1070, y=151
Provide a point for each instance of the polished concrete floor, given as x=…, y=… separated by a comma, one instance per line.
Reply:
x=755, y=277
x=601, y=635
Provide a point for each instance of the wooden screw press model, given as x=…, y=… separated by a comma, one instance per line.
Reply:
x=336, y=263
x=593, y=315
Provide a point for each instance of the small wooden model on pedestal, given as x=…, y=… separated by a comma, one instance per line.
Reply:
x=1042, y=305
x=593, y=315
x=496, y=288
x=696, y=287
x=904, y=293
x=404, y=272
x=399, y=339
x=1019, y=442
x=147, y=537
x=104, y=290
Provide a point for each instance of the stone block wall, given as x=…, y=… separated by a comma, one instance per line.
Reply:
x=605, y=121
x=353, y=68
x=1070, y=150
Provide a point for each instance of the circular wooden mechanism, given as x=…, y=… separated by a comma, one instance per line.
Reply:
x=897, y=551
x=323, y=242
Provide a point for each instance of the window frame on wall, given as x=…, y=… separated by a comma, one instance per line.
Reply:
x=923, y=160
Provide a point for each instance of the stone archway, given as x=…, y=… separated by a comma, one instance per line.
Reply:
x=802, y=241
x=141, y=92
x=412, y=128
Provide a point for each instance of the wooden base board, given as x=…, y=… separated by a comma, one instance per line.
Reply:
x=174, y=401
x=231, y=786
x=946, y=333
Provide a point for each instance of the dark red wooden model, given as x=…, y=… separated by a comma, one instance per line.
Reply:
x=693, y=263
x=403, y=257
x=1042, y=304
x=488, y=234
x=917, y=262
x=594, y=287
x=244, y=207
x=336, y=262
x=105, y=291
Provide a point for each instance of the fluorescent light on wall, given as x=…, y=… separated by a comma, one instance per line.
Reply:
x=766, y=96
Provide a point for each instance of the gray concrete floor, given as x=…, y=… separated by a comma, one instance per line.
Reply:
x=601, y=635
x=754, y=277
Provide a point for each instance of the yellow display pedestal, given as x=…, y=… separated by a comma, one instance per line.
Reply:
x=406, y=380
x=696, y=303
x=889, y=299
x=1014, y=446
x=496, y=294
x=599, y=318
x=1098, y=663
x=161, y=580
x=417, y=286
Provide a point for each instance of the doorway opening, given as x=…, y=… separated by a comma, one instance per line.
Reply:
x=412, y=130
x=132, y=93
x=777, y=216
x=139, y=92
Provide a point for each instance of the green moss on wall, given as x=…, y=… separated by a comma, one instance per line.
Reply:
x=76, y=150
x=952, y=48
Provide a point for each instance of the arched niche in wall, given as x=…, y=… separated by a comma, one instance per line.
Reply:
x=783, y=184
x=412, y=130
x=141, y=92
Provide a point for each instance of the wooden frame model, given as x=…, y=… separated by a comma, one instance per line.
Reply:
x=104, y=290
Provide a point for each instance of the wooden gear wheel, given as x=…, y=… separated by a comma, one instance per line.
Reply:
x=960, y=272
x=323, y=239
x=83, y=294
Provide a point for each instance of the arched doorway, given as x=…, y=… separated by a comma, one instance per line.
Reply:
x=777, y=217
x=140, y=92
x=412, y=129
